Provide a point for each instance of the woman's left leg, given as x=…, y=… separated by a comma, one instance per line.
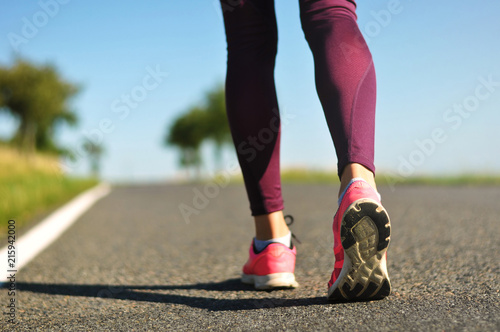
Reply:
x=345, y=81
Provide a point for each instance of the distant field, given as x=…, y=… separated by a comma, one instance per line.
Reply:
x=32, y=185
x=312, y=176
x=302, y=176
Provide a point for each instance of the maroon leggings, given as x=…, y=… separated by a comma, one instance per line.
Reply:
x=345, y=82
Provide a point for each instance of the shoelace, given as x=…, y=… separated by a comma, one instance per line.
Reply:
x=289, y=224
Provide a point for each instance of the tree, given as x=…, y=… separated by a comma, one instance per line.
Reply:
x=187, y=133
x=198, y=124
x=39, y=98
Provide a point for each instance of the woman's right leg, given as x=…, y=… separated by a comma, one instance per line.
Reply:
x=252, y=108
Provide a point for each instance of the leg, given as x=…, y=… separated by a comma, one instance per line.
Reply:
x=345, y=81
x=252, y=108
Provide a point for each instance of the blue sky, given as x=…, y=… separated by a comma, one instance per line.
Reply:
x=436, y=111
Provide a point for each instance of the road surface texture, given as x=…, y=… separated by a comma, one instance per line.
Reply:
x=132, y=262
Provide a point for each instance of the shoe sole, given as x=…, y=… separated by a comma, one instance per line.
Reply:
x=365, y=234
x=270, y=281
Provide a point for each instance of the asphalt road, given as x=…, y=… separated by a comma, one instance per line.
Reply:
x=133, y=263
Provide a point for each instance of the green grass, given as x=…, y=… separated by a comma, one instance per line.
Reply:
x=324, y=177
x=308, y=176
x=456, y=180
x=33, y=185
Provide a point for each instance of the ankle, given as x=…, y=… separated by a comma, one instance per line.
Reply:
x=352, y=171
x=270, y=226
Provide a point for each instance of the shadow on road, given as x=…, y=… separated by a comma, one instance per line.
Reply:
x=138, y=293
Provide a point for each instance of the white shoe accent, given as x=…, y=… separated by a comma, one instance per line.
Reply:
x=273, y=280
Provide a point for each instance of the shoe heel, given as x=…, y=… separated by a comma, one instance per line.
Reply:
x=365, y=235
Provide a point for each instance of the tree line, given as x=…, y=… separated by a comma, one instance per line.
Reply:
x=40, y=99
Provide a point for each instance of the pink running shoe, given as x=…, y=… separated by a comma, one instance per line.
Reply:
x=361, y=232
x=271, y=268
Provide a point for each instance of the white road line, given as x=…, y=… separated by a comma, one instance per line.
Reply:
x=48, y=230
